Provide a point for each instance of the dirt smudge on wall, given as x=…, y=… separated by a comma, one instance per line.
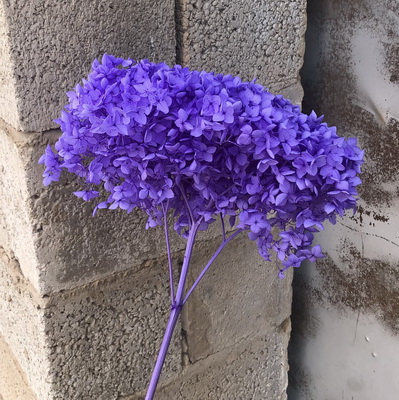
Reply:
x=360, y=284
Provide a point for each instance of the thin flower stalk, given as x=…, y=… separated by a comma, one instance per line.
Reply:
x=169, y=252
x=170, y=327
x=174, y=314
x=210, y=262
x=187, y=204
x=223, y=227
x=178, y=302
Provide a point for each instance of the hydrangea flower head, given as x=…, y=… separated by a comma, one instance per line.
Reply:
x=146, y=135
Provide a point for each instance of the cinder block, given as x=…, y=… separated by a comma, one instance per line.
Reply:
x=293, y=92
x=103, y=339
x=8, y=100
x=240, y=298
x=22, y=325
x=51, y=46
x=262, y=39
x=252, y=370
x=13, y=384
x=98, y=342
x=52, y=233
x=16, y=230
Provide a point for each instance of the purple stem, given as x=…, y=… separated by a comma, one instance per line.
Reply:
x=212, y=259
x=223, y=228
x=171, y=281
x=186, y=262
x=190, y=212
x=174, y=314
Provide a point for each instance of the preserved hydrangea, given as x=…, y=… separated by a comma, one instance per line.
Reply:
x=158, y=138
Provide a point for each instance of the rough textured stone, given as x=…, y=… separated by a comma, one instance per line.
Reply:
x=16, y=231
x=235, y=328
x=103, y=339
x=13, y=382
x=241, y=297
x=293, y=93
x=252, y=370
x=261, y=39
x=98, y=342
x=52, y=45
x=8, y=100
x=53, y=235
x=22, y=327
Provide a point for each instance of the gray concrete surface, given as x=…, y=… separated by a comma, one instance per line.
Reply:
x=22, y=327
x=8, y=98
x=345, y=325
x=262, y=39
x=232, y=305
x=13, y=381
x=51, y=46
x=250, y=370
x=97, y=342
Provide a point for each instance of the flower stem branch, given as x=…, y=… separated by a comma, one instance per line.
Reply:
x=186, y=263
x=166, y=228
x=190, y=212
x=210, y=262
x=173, y=317
x=177, y=305
x=223, y=227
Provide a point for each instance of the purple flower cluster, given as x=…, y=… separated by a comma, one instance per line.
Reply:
x=146, y=135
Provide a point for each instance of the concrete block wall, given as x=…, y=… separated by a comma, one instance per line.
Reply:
x=83, y=300
x=51, y=46
x=262, y=39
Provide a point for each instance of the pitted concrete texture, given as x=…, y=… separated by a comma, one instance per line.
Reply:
x=98, y=342
x=52, y=45
x=8, y=99
x=16, y=231
x=22, y=327
x=53, y=235
x=83, y=300
x=103, y=339
x=254, y=370
x=240, y=297
x=293, y=93
x=262, y=39
x=13, y=383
